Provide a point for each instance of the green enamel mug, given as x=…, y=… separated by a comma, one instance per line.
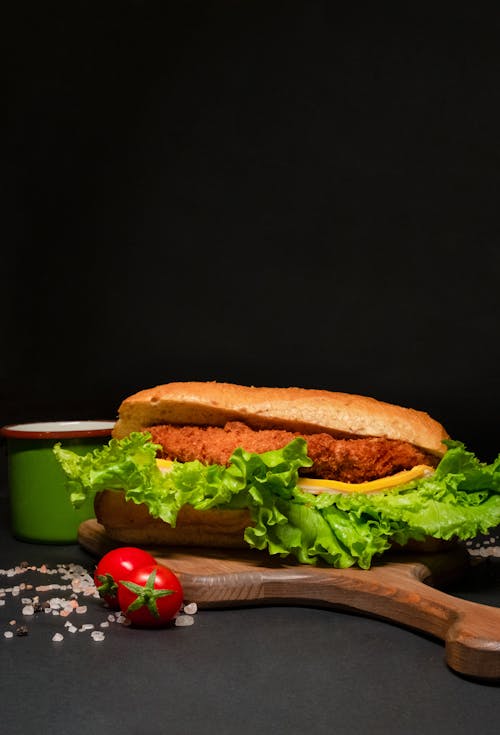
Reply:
x=40, y=507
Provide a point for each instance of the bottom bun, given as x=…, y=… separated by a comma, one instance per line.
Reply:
x=130, y=523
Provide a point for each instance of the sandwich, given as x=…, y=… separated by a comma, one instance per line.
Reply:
x=315, y=475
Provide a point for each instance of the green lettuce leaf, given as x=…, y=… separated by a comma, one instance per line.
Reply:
x=460, y=499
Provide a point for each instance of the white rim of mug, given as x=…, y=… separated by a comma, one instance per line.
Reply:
x=58, y=429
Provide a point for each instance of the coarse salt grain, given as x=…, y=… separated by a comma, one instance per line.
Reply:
x=184, y=620
x=8, y=634
x=81, y=584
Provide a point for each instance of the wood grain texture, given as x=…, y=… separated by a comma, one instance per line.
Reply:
x=401, y=589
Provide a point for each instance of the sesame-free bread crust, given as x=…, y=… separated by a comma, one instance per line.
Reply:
x=304, y=410
x=127, y=523
x=130, y=523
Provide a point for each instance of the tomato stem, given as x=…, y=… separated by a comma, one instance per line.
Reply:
x=108, y=585
x=146, y=595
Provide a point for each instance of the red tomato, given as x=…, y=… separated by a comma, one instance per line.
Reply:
x=151, y=596
x=115, y=566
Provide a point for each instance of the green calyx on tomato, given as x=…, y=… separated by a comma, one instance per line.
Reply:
x=147, y=595
x=108, y=585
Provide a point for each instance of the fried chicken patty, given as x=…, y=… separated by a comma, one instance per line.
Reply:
x=348, y=460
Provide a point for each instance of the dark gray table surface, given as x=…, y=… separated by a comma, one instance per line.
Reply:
x=279, y=669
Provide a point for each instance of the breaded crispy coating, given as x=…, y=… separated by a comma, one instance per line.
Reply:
x=348, y=460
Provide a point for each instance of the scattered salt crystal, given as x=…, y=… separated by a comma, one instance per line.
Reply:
x=57, y=637
x=12, y=622
x=2, y=602
x=191, y=608
x=104, y=625
x=81, y=609
x=8, y=634
x=26, y=600
x=86, y=626
x=111, y=618
x=72, y=628
x=65, y=612
x=97, y=635
x=120, y=618
x=28, y=610
x=184, y=620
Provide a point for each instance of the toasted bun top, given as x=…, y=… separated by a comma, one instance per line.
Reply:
x=305, y=410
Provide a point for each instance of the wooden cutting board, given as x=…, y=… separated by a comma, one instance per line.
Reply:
x=401, y=589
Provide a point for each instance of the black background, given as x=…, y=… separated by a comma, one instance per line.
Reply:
x=259, y=192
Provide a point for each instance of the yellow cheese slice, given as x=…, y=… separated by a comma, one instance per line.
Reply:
x=164, y=464
x=383, y=483
x=315, y=487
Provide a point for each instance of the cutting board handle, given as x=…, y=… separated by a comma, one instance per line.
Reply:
x=398, y=592
x=473, y=641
